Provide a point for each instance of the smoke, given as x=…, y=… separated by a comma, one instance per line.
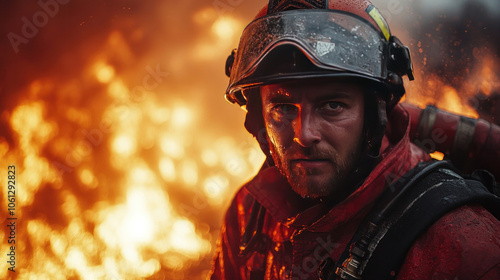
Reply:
x=455, y=49
x=453, y=41
x=457, y=41
x=455, y=7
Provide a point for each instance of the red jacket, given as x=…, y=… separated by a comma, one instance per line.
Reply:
x=464, y=244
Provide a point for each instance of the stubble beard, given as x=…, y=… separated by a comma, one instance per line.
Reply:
x=305, y=182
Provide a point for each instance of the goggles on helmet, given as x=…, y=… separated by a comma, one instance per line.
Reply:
x=336, y=42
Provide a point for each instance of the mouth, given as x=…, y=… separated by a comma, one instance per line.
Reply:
x=310, y=163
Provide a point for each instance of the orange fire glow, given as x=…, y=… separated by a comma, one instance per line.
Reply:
x=122, y=173
x=442, y=95
x=116, y=179
x=481, y=80
x=138, y=233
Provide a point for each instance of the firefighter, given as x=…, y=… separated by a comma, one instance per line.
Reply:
x=343, y=193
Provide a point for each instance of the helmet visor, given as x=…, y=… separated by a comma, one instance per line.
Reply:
x=332, y=40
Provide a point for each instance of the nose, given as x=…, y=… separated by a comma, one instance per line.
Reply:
x=306, y=129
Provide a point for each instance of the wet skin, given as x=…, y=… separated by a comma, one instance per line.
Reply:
x=314, y=130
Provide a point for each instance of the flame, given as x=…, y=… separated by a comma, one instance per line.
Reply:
x=181, y=117
x=481, y=82
x=224, y=32
x=225, y=28
x=435, y=91
x=124, y=145
x=437, y=155
x=103, y=72
x=113, y=183
x=484, y=79
x=452, y=102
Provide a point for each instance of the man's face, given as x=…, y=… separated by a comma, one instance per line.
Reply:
x=315, y=132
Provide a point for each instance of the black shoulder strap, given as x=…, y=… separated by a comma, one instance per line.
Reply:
x=412, y=205
x=435, y=195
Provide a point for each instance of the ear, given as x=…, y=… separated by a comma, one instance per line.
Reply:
x=230, y=62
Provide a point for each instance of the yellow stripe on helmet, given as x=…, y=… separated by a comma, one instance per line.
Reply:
x=380, y=20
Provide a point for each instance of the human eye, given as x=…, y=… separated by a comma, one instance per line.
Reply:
x=333, y=107
x=284, y=111
x=286, y=108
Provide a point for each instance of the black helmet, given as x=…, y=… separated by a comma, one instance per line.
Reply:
x=297, y=39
